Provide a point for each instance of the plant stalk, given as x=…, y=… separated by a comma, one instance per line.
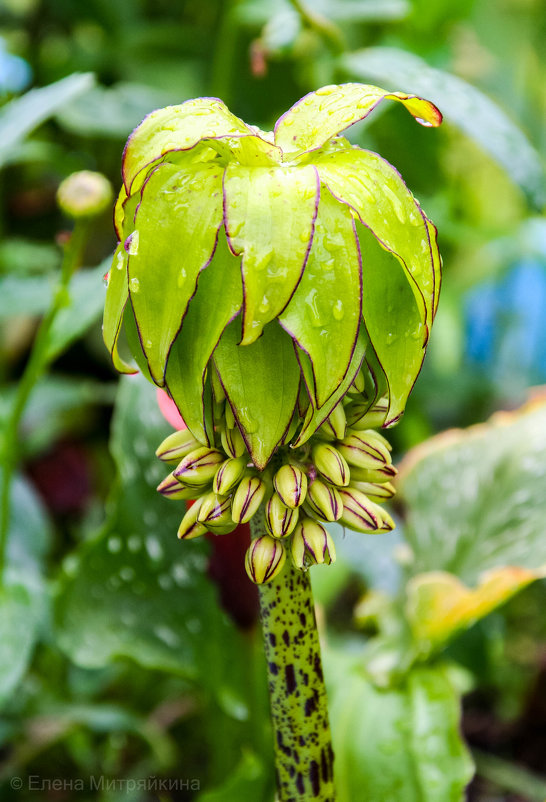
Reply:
x=37, y=364
x=303, y=748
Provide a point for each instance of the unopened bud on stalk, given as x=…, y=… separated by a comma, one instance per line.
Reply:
x=380, y=475
x=247, y=499
x=336, y=423
x=324, y=501
x=264, y=559
x=170, y=487
x=372, y=419
x=363, y=453
x=363, y=515
x=373, y=490
x=84, y=194
x=176, y=446
x=199, y=467
x=311, y=545
x=280, y=519
x=375, y=437
x=290, y=482
x=232, y=441
x=190, y=527
x=228, y=474
x=215, y=510
x=331, y=464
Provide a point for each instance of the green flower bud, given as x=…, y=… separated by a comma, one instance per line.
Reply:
x=217, y=389
x=170, y=487
x=324, y=501
x=228, y=474
x=264, y=559
x=373, y=490
x=363, y=515
x=335, y=424
x=230, y=418
x=280, y=519
x=372, y=418
x=247, y=498
x=375, y=475
x=375, y=437
x=190, y=527
x=311, y=544
x=290, y=482
x=331, y=464
x=232, y=441
x=215, y=510
x=176, y=446
x=363, y=452
x=359, y=383
x=84, y=194
x=199, y=467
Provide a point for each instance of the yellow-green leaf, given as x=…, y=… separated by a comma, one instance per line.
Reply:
x=329, y=110
x=323, y=315
x=270, y=217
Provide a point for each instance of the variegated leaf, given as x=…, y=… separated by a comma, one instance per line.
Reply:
x=376, y=191
x=329, y=110
x=175, y=235
x=217, y=300
x=261, y=382
x=270, y=215
x=323, y=315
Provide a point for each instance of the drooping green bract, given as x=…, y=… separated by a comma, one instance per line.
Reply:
x=282, y=262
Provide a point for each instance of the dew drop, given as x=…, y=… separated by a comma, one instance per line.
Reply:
x=134, y=285
x=338, y=310
x=131, y=243
x=288, y=121
x=426, y=123
x=182, y=277
x=326, y=90
x=264, y=306
x=248, y=421
x=106, y=279
x=120, y=261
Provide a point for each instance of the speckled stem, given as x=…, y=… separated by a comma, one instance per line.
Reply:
x=303, y=748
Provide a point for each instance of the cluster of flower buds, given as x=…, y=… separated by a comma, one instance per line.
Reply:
x=341, y=474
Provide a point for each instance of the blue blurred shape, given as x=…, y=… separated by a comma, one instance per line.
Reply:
x=15, y=72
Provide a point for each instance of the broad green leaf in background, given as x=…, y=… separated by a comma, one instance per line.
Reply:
x=258, y=12
x=324, y=314
x=134, y=590
x=261, y=382
x=384, y=204
x=401, y=743
x=22, y=115
x=270, y=218
x=331, y=109
x=250, y=781
x=475, y=498
x=176, y=228
x=462, y=105
x=25, y=295
x=18, y=621
x=392, y=319
x=219, y=289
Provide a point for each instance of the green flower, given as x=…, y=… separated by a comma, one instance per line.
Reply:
x=279, y=269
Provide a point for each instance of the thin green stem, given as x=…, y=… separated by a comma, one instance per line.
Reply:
x=325, y=28
x=37, y=363
x=509, y=777
x=302, y=742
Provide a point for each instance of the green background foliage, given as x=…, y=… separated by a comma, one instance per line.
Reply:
x=127, y=654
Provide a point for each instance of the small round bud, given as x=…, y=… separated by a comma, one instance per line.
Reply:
x=190, y=527
x=264, y=559
x=228, y=475
x=176, y=446
x=171, y=488
x=84, y=194
x=232, y=442
x=311, y=545
x=363, y=515
x=324, y=501
x=290, y=482
x=199, y=467
x=247, y=498
x=364, y=452
x=331, y=465
x=279, y=519
x=215, y=510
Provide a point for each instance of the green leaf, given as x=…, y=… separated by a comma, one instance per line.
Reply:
x=377, y=193
x=117, y=294
x=463, y=105
x=475, y=497
x=323, y=316
x=398, y=744
x=392, y=319
x=217, y=300
x=176, y=228
x=84, y=308
x=21, y=116
x=25, y=295
x=249, y=781
x=270, y=217
x=134, y=590
x=261, y=382
x=315, y=417
x=328, y=111
x=178, y=128
x=18, y=620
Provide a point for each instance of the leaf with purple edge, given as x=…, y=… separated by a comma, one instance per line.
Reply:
x=217, y=300
x=322, y=114
x=315, y=417
x=323, y=316
x=176, y=225
x=376, y=191
x=177, y=128
x=393, y=321
x=270, y=216
x=261, y=382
